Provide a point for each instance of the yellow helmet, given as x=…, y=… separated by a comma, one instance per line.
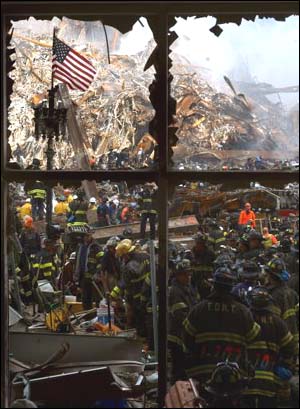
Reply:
x=125, y=246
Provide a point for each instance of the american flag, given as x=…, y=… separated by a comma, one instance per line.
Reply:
x=70, y=67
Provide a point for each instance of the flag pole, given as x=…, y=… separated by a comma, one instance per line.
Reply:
x=54, y=35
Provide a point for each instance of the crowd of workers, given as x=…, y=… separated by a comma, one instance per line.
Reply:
x=232, y=296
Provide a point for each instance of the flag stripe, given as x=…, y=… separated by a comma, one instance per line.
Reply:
x=70, y=67
x=77, y=67
x=74, y=81
x=63, y=79
x=71, y=72
x=88, y=66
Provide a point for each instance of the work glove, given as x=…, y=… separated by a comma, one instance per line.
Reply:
x=283, y=373
x=285, y=276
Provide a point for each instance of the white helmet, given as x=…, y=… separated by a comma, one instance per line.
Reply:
x=93, y=200
x=75, y=197
x=28, y=200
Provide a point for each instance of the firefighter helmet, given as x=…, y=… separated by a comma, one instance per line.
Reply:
x=224, y=277
x=277, y=268
x=226, y=380
x=223, y=260
x=124, y=247
x=183, y=266
x=93, y=200
x=259, y=298
x=255, y=235
x=249, y=270
x=113, y=242
x=73, y=256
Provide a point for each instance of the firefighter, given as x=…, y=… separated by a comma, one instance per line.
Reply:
x=202, y=265
x=24, y=272
x=285, y=298
x=247, y=216
x=217, y=329
x=272, y=352
x=148, y=204
x=182, y=298
x=294, y=264
x=45, y=266
x=78, y=211
x=88, y=269
x=216, y=237
x=135, y=269
x=249, y=275
x=29, y=238
x=256, y=248
x=38, y=194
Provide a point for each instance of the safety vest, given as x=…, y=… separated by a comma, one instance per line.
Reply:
x=148, y=206
x=37, y=193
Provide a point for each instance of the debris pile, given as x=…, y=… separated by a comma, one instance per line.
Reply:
x=215, y=128
x=114, y=112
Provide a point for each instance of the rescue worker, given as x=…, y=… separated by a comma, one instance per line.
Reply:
x=88, y=269
x=148, y=211
x=202, y=265
x=247, y=216
x=26, y=209
x=216, y=237
x=103, y=213
x=93, y=204
x=256, y=248
x=45, y=264
x=126, y=215
x=182, y=298
x=66, y=278
x=38, y=194
x=62, y=207
x=249, y=274
x=286, y=300
x=272, y=352
x=24, y=273
x=269, y=239
x=30, y=239
x=113, y=212
x=217, y=329
x=135, y=269
x=294, y=264
x=111, y=269
x=78, y=211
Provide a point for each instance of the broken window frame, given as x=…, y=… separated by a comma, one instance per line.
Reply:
x=123, y=14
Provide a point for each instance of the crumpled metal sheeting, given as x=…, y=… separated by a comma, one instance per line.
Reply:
x=110, y=112
x=210, y=120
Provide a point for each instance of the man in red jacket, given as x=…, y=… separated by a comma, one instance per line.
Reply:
x=247, y=216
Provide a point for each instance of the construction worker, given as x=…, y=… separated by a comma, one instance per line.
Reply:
x=217, y=329
x=44, y=264
x=247, y=216
x=62, y=207
x=272, y=352
x=148, y=211
x=135, y=269
x=38, y=196
x=248, y=275
x=78, y=210
x=93, y=204
x=25, y=209
x=182, y=298
x=285, y=298
x=88, y=270
x=202, y=265
x=29, y=238
x=269, y=239
x=103, y=213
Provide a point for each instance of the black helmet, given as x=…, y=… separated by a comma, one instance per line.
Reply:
x=224, y=277
x=183, y=266
x=188, y=254
x=285, y=245
x=277, y=268
x=255, y=235
x=226, y=380
x=259, y=298
x=223, y=260
x=249, y=270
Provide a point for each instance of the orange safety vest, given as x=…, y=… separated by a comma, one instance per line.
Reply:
x=245, y=218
